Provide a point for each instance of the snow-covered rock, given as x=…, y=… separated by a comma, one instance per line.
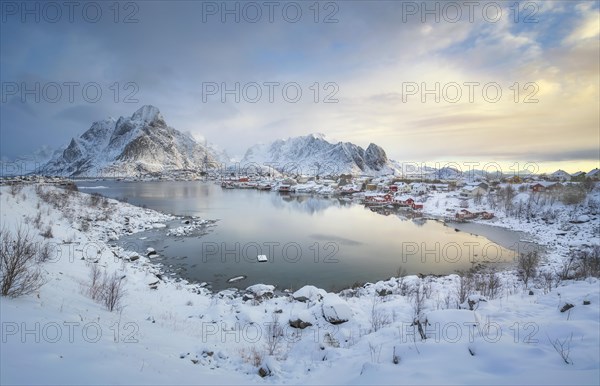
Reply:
x=261, y=290
x=301, y=318
x=335, y=309
x=309, y=293
x=581, y=219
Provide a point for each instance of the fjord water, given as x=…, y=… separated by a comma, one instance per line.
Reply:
x=325, y=242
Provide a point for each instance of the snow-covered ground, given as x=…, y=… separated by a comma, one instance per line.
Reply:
x=553, y=224
x=179, y=333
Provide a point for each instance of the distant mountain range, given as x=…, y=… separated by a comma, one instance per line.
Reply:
x=144, y=144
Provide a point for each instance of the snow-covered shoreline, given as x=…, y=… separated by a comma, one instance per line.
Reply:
x=181, y=333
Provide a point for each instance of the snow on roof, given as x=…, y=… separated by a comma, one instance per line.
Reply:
x=546, y=184
x=560, y=172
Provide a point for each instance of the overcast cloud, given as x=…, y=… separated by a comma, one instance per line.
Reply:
x=370, y=61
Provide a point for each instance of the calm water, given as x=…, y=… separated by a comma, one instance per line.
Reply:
x=307, y=239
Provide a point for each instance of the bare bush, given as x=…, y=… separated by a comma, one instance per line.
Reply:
x=563, y=348
x=427, y=287
x=274, y=334
x=379, y=318
x=19, y=270
x=400, y=272
x=507, y=194
x=588, y=262
x=71, y=188
x=418, y=302
x=573, y=194
x=15, y=188
x=488, y=284
x=39, y=190
x=112, y=291
x=45, y=252
x=464, y=287
x=55, y=198
x=567, y=267
x=48, y=233
x=94, y=200
x=106, y=289
x=85, y=225
x=37, y=221
x=528, y=264
x=375, y=351
x=95, y=286
x=547, y=280
x=252, y=356
x=402, y=285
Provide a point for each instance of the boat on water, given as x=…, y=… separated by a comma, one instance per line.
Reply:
x=227, y=185
x=284, y=188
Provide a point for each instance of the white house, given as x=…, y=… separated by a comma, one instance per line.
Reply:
x=560, y=175
x=470, y=191
x=402, y=187
x=418, y=188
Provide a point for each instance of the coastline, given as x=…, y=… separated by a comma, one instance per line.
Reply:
x=173, y=320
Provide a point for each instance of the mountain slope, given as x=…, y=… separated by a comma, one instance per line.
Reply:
x=313, y=154
x=129, y=146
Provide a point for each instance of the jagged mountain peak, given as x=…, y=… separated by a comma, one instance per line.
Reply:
x=147, y=113
x=139, y=144
x=315, y=152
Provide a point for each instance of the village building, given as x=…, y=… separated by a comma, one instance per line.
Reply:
x=560, y=175
x=594, y=174
x=470, y=191
x=542, y=186
x=402, y=187
x=418, y=188
x=578, y=176
x=439, y=187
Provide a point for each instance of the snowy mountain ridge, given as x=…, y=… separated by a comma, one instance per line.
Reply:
x=129, y=146
x=144, y=144
x=315, y=153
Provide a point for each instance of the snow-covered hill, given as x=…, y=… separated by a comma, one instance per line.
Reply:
x=314, y=154
x=129, y=146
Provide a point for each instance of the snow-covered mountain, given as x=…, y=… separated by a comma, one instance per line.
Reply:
x=314, y=154
x=129, y=146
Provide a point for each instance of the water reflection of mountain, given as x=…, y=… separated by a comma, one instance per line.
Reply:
x=303, y=203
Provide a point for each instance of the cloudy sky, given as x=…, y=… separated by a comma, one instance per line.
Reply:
x=482, y=83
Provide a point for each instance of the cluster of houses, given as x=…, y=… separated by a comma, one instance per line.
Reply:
x=394, y=200
x=392, y=192
x=562, y=176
